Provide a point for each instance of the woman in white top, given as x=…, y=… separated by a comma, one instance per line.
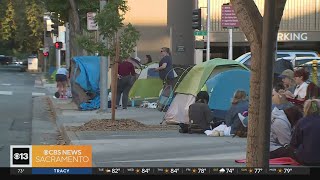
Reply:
x=299, y=95
x=300, y=92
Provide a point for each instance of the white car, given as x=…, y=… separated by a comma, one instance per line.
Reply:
x=246, y=58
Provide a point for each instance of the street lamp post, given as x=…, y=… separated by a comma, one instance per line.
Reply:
x=103, y=73
x=208, y=30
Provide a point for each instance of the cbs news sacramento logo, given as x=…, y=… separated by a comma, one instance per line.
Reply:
x=20, y=156
x=50, y=156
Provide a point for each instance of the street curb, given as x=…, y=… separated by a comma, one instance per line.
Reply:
x=52, y=109
x=44, y=130
x=63, y=132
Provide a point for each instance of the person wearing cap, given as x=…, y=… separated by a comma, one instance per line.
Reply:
x=300, y=92
x=287, y=77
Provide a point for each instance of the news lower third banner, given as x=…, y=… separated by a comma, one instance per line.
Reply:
x=71, y=156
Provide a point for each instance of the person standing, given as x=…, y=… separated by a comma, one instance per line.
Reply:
x=126, y=74
x=165, y=66
x=166, y=70
x=62, y=80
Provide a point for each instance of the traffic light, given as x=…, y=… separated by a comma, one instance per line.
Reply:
x=55, y=26
x=58, y=45
x=196, y=19
x=46, y=54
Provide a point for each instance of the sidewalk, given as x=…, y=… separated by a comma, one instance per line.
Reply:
x=142, y=148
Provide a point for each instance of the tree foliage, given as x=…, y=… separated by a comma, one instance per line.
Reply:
x=34, y=15
x=8, y=23
x=22, y=27
x=62, y=7
x=58, y=6
x=111, y=27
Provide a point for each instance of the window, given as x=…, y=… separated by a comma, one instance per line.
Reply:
x=305, y=55
x=283, y=55
x=248, y=62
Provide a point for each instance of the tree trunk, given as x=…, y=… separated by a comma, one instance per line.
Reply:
x=267, y=57
x=251, y=23
x=76, y=28
x=254, y=102
x=115, y=79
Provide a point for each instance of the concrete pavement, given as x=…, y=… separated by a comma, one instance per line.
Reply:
x=17, y=93
x=144, y=148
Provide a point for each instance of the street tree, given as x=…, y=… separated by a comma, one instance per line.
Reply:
x=121, y=39
x=3, y=7
x=23, y=31
x=251, y=23
x=8, y=25
x=74, y=12
x=34, y=16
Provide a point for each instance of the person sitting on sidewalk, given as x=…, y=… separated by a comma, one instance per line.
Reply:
x=283, y=122
x=289, y=83
x=240, y=104
x=62, y=81
x=278, y=100
x=199, y=113
x=299, y=96
x=305, y=140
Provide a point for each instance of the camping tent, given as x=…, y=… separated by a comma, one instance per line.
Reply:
x=221, y=88
x=195, y=80
x=148, y=85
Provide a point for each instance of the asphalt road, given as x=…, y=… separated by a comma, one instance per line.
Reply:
x=16, y=92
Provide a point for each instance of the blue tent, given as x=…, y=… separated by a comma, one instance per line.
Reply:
x=89, y=76
x=88, y=79
x=222, y=87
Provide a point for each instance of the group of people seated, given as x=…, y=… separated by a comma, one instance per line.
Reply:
x=295, y=118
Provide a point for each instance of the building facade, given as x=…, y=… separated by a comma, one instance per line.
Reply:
x=299, y=28
x=168, y=23
x=163, y=23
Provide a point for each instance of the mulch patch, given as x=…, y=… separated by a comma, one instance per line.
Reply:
x=119, y=125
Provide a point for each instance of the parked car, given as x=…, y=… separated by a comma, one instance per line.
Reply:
x=246, y=58
x=5, y=60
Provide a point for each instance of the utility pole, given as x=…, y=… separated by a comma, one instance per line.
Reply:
x=230, y=54
x=103, y=72
x=67, y=45
x=268, y=54
x=208, y=30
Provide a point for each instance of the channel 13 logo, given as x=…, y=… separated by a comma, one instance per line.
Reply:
x=20, y=156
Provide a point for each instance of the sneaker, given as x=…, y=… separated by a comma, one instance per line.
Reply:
x=243, y=119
